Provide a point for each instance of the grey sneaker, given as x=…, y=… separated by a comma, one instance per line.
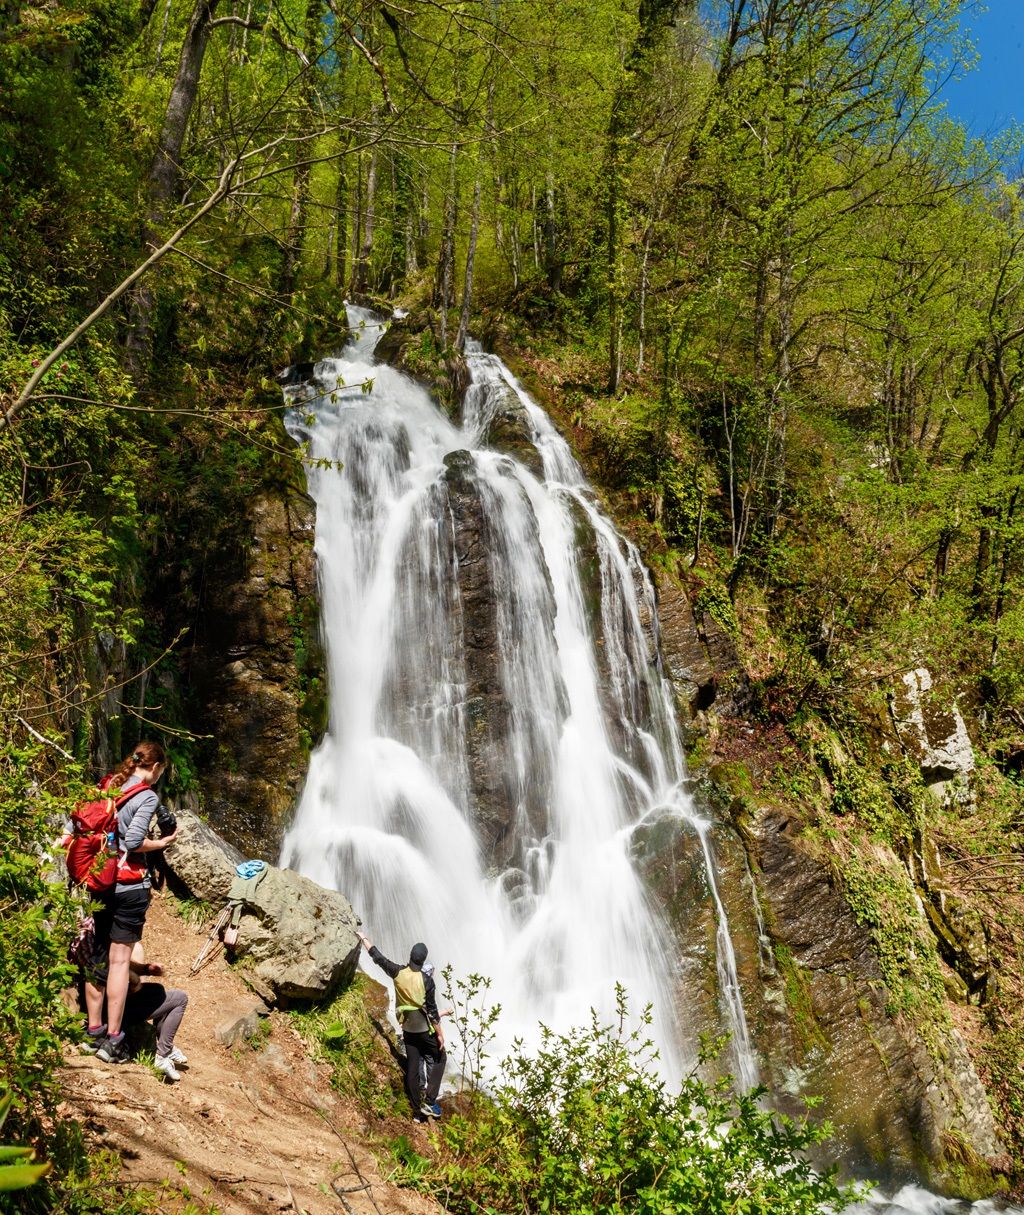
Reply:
x=112, y=1050
x=165, y=1064
x=91, y=1042
x=178, y=1056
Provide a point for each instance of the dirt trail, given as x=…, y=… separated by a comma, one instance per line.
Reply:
x=246, y=1129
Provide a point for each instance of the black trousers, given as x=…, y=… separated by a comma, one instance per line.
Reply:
x=423, y=1047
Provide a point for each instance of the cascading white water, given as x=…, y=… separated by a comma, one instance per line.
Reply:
x=550, y=907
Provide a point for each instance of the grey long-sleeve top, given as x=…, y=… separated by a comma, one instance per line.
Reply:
x=133, y=820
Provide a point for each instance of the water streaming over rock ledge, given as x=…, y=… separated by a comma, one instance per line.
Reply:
x=499, y=721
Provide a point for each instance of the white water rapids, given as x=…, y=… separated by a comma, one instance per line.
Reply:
x=589, y=745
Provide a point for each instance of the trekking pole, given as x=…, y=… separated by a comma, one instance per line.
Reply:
x=206, y=952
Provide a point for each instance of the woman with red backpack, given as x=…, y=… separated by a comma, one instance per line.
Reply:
x=122, y=912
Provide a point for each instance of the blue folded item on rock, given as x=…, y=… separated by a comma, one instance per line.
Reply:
x=249, y=869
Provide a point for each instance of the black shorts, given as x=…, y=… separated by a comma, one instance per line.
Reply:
x=121, y=918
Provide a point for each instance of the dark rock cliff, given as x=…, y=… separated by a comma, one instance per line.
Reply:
x=253, y=671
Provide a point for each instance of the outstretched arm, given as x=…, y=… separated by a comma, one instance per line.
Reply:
x=390, y=968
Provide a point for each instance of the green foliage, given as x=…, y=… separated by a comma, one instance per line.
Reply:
x=587, y=1125
x=855, y=792
x=37, y=916
x=350, y=1035
x=196, y=913
x=16, y=1170
x=883, y=899
x=37, y=919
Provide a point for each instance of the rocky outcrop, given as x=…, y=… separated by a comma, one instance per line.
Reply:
x=508, y=428
x=255, y=670
x=934, y=736
x=700, y=656
x=412, y=344
x=959, y=931
x=815, y=997
x=297, y=940
x=891, y=1098
x=486, y=707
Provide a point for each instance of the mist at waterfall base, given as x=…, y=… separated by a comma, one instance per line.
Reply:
x=388, y=814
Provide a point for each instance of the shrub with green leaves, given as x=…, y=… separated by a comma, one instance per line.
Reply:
x=36, y=918
x=17, y=1172
x=588, y=1125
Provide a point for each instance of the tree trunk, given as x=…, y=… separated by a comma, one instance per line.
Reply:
x=337, y=244
x=655, y=17
x=467, y=288
x=357, y=225
x=164, y=174
x=362, y=268
x=552, y=262
x=446, y=253
x=295, y=238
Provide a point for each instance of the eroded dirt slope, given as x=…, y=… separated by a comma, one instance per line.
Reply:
x=249, y=1128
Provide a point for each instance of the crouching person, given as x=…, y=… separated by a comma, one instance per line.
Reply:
x=145, y=1001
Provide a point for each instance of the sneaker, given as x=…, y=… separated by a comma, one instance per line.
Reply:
x=431, y=1109
x=420, y=1119
x=165, y=1064
x=113, y=1050
x=178, y=1056
x=93, y=1037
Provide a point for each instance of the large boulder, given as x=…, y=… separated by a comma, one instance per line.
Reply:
x=298, y=940
x=934, y=736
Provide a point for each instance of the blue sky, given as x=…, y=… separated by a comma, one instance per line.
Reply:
x=991, y=96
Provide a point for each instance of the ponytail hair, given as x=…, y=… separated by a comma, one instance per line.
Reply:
x=145, y=755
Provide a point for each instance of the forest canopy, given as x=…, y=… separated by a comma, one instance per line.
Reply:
x=783, y=292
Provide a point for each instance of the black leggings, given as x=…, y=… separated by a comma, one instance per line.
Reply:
x=423, y=1047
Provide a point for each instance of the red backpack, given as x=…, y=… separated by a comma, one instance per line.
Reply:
x=93, y=850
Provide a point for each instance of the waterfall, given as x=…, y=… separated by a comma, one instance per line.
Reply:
x=499, y=720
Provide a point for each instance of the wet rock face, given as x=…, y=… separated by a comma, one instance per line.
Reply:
x=891, y=1099
x=509, y=430
x=699, y=655
x=487, y=714
x=669, y=858
x=509, y=799
x=255, y=672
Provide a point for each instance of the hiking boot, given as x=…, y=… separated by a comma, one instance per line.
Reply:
x=113, y=1050
x=165, y=1064
x=178, y=1056
x=430, y=1109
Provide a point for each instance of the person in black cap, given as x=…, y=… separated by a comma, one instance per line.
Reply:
x=416, y=1007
